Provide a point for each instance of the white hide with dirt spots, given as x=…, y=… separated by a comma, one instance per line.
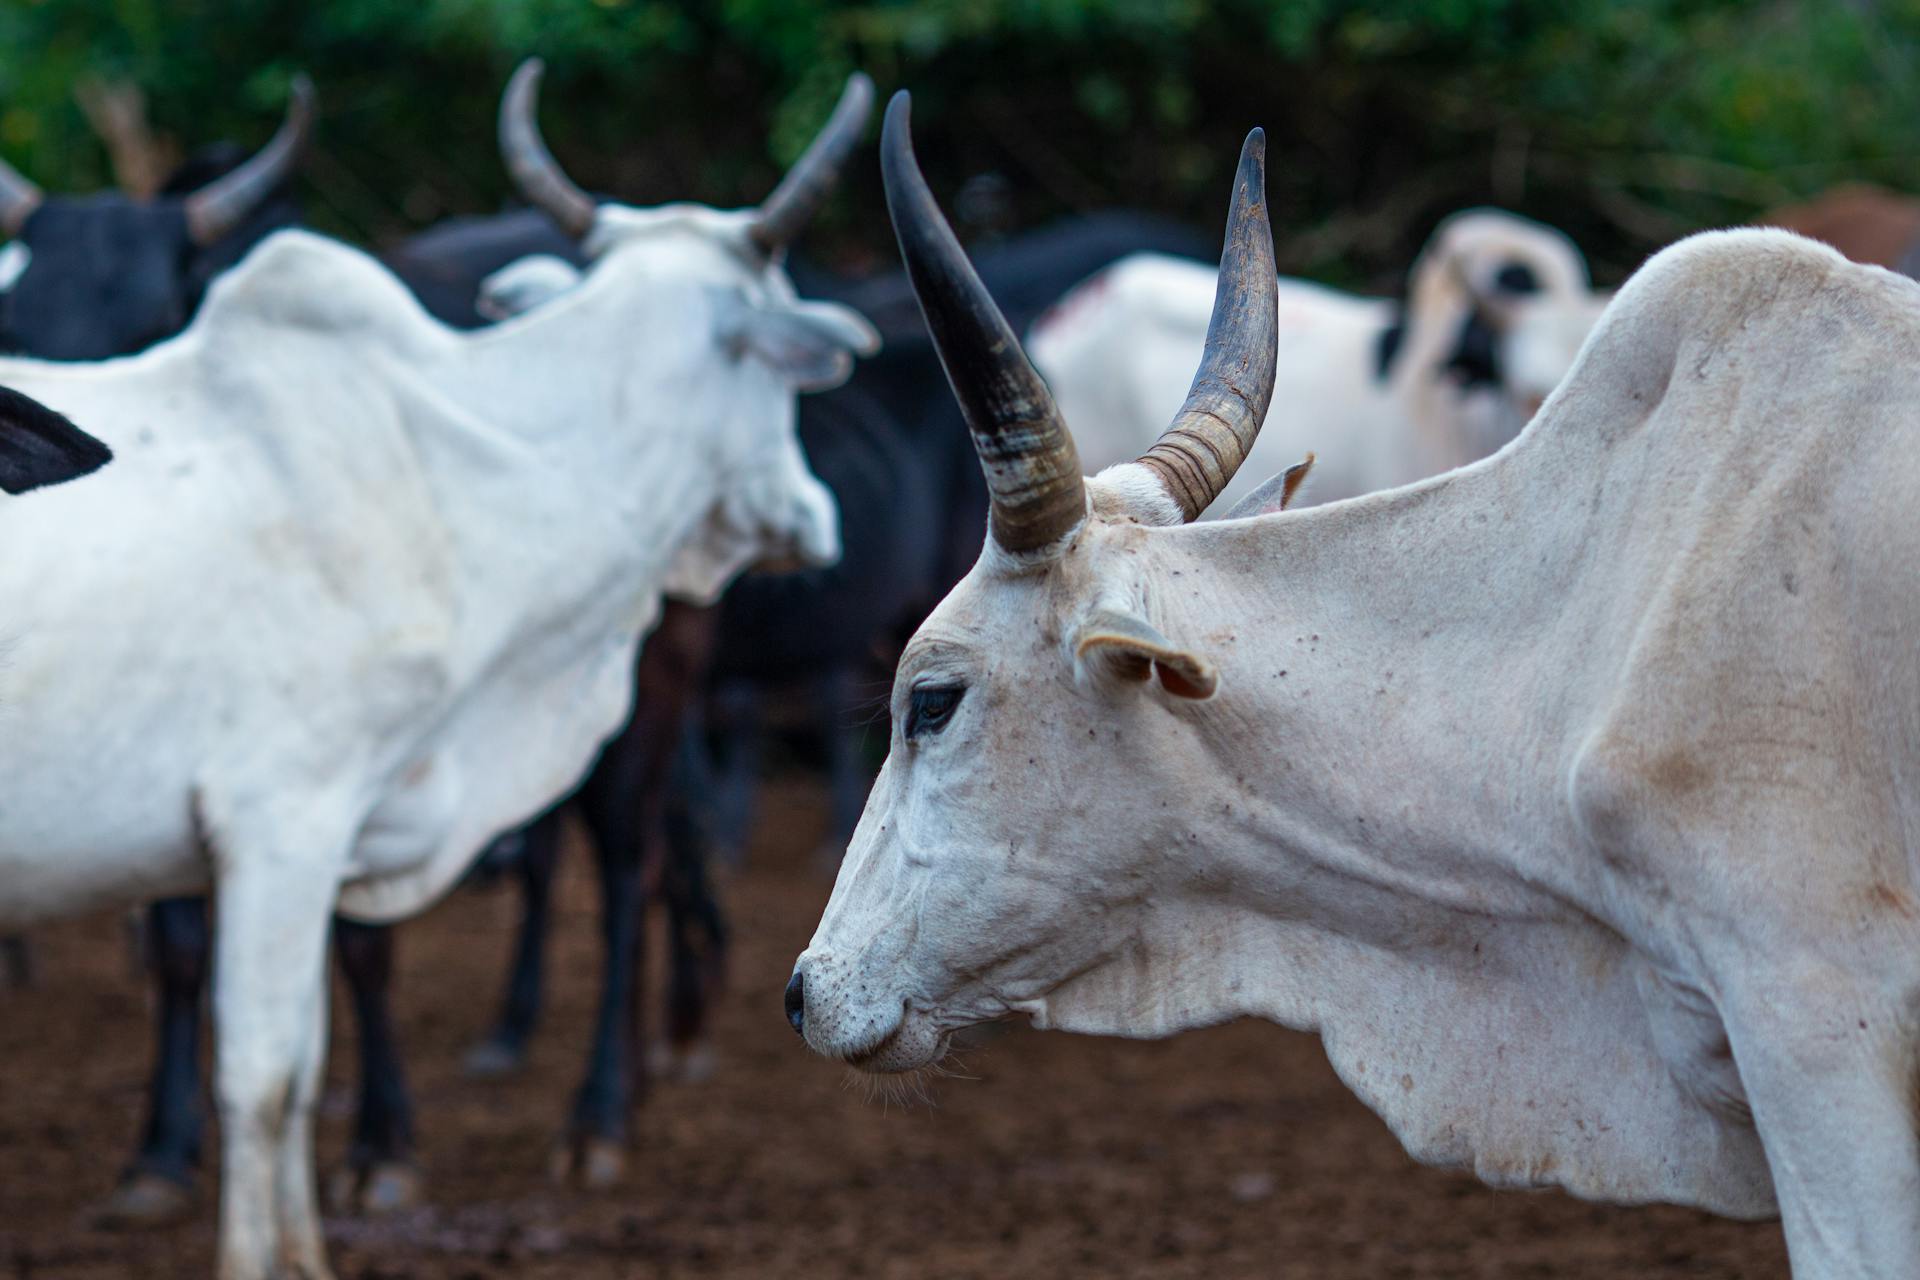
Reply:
x=1572, y=796
x=1119, y=351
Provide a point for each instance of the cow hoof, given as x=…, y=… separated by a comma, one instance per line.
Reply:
x=390, y=1186
x=290, y=1270
x=698, y=1062
x=592, y=1164
x=145, y=1201
x=603, y=1164
x=493, y=1060
x=690, y=1063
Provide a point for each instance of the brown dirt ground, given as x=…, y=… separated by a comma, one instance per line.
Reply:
x=1225, y=1153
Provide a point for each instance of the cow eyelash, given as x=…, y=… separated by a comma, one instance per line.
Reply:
x=930, y=707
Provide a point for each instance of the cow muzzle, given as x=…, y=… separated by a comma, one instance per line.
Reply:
x=851, y=1023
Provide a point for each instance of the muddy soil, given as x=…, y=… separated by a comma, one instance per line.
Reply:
x=1225, y=1153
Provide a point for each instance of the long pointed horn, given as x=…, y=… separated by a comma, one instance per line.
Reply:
x=534, y=170
x=224, y=203
x=1209, y=438
x=18, y=199
x=1033, y=472
x=786, y=213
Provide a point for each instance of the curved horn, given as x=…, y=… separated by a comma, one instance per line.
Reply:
x=1198, y=453
x=786, y=213
x=1033, y=472
x=224, y=203
x=534, y=170
x=18, y=199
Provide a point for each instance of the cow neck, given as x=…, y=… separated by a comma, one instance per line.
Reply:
x=606, y=439
x=1399, y=663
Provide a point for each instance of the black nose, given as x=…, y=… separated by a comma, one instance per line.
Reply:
x=797, y=1003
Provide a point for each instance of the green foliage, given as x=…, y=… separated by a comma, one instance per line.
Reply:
x=1626, y=121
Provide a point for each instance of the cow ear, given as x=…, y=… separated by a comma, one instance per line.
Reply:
x=1275, y=494
x=810, y=344
x=1122, y=647
x=40, y=447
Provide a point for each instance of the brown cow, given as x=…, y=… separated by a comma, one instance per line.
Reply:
x=1867, y=223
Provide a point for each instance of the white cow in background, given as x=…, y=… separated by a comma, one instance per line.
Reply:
x=1496, y=309
x=362, y=591
x=1573, y=796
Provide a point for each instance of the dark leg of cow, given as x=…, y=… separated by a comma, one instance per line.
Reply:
x=622, y=801
x=504, y=1051
x=597, y=1129
x=697, y=934
x=158, y=1187
x=380, y=1176
x=733, y=768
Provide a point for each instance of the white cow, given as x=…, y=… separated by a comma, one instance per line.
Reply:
x=1497, y=307
x=1572, y=796
x=361, y=591
x=40, y=447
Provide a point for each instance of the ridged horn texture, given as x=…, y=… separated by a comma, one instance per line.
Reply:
x=18, y=199
x=786, y=213
x=532, y=166
x=224, y=203
x=1033, y=471
x=1208, y=439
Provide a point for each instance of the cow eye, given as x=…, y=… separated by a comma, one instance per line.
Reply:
x=929, y=708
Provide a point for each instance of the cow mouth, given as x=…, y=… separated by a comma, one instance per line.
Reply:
x=908, y=1046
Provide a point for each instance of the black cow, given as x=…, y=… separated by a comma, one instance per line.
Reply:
x=91, y=277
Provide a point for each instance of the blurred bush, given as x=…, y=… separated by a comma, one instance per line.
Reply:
x=1627, y=122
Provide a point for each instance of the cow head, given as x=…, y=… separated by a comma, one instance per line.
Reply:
x=761, y=342
x=40, y=447
x=92, y=277
x=973, y=885
x=1513, y=299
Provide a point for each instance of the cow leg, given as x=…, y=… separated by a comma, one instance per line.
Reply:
x=504, y=1051
x=270, y=1017
x=698, y=940
x=1830, y=1068
x=733, y=769
x=158, y=1187
x=380, y=1176
x=595, y=1142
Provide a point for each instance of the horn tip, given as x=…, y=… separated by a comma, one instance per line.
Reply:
x=857, y=97
x=303, y=101
x=896, y=128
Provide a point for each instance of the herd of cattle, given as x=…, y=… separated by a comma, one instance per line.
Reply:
x=1566, y=779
